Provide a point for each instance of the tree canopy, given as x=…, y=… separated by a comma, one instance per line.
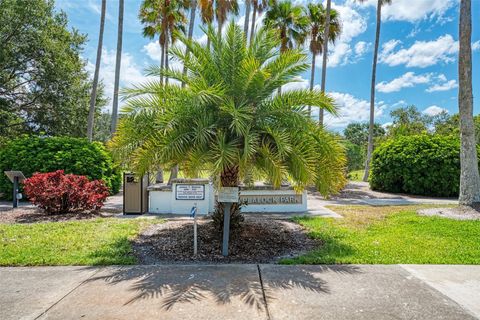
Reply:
x=44, y=87
x=229, y=120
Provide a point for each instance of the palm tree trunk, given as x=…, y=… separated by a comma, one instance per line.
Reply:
x=312, y=81
x=247, y=18
x=469, y=175
x=219, y=28
x=173, y=174
x=193, y=9
x=325, y=55
x=162, y=61
x=93, y=95
x=118, y=62
x=254, y=18
x=166, y=58
x=372, y=93
x=228, y=178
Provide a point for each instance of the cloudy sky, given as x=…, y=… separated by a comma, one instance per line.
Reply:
x=417, y=56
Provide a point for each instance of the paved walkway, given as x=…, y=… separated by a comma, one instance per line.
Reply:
x=241, y=292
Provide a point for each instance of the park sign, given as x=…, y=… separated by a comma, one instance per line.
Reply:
x=228, y=194
x=189, y=192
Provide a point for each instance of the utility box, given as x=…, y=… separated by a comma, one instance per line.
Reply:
x=135, y=194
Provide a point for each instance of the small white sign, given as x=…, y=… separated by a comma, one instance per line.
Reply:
x=190, y=192
x=228, y=194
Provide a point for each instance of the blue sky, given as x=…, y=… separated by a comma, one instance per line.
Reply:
x=417, y=62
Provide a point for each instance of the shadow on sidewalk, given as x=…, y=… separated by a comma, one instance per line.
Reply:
x=177, y=284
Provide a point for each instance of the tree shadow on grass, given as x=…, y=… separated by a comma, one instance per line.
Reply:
x=180, y=284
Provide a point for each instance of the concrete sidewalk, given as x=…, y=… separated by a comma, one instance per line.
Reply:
x=241, y=292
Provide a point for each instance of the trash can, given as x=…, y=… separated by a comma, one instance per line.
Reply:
x=135, y=194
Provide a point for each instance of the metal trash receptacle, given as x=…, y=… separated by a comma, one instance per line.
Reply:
x=135, y=194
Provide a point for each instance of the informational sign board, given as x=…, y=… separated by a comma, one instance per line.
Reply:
x=12, y=174
x=228, y=194
x=190, y=192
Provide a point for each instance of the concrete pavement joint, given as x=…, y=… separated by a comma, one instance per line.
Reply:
x=263, y=292
x=67, y=294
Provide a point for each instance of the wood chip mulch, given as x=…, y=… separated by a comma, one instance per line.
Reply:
x=260, y=240
x=35, y=215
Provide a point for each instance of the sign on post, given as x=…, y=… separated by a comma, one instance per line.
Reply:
x=227, y=196
x=16, y=177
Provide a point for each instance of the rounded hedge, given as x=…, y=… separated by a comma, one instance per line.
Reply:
x=73, y=155
x=421, y=164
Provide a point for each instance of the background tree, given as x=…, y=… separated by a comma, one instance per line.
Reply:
x=118, y=62
x=222, y=9
x=317, y=17
x=206, y=14
x=258, y=7
x=357, y=133
x=44, y=87
x=226, y=120
x=380, y=3
x=93, y=95
x=469, y=175
x=248, y=8
x=409, y=121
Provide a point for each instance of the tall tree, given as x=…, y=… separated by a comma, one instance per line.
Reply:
x=118, y=62
x=469, y=175
x=222, y=9
x=325, y=54
x=206, y=14
x=248, y=8
x=320, y=22
x=44, y=86
x=258, y=7
x=191, y=25
x=93, y=96
x=290, y=24
x=380, y=4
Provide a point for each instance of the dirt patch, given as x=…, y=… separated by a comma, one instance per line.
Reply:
x=35, y=215
x=457, y=213
x=259, y=240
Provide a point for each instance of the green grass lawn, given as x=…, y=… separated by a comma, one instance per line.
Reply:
x=356, y=175
x=86, y=242
x=389, y=235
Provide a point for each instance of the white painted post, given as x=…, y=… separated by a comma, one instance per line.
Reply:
x=194, y=213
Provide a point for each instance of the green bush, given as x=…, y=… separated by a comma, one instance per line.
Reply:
x=73, y=155
x=420, y=164
x=355, y=156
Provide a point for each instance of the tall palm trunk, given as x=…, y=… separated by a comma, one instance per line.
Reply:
x=162, y=60
x=254, y=18
x=166, y=57
x=118, y=62
x=193, y=9
x=93, y=95
x=372, y=93
x=219, y=28
x=247, y=18
x=312, y=80
x=325, y=55
x=469, y=175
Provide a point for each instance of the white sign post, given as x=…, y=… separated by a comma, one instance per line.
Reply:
x=194, y=215
x=227, y=196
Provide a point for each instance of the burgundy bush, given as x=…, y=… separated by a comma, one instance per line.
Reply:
x=56, y=192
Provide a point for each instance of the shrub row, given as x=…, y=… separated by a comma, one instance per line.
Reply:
x=422, y=165
x=73, y=155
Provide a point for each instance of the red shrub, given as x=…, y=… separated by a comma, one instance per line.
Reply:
x=56, y=192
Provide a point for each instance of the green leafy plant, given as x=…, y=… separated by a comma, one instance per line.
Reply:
x=228, y=119
x=420, y=164
x=73, y=155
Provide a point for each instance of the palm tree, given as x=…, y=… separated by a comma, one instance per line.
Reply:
x=118, y=62
x=380, y=4
x=258, y=7
x=319, y=21
x=93, y=95
x=469, y=175
x=289, y=22
x=226, y=120
x=222, y=9
x=191, y=25
x=248, y=6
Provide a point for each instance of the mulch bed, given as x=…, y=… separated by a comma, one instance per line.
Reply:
x=456, y=213
x=259, y=240
x=35, y=215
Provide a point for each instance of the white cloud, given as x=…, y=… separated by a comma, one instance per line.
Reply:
x=353, y=24
x=351, y=109
x=407, y=80
x=434, y=110
x=408, y=10
x=445, y=86
x=476, y=45
x=130, y=72
x=421, y=54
